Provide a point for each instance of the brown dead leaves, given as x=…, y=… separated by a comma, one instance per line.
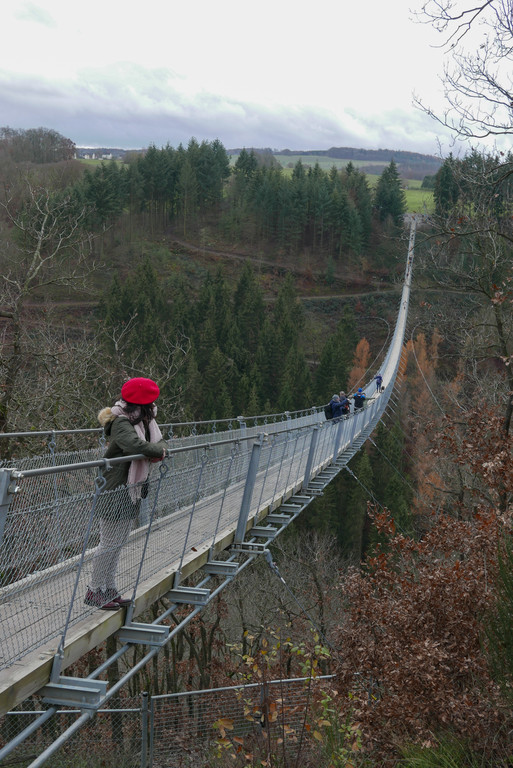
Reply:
x=410, y=645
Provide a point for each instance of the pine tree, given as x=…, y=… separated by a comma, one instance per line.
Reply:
x=389, y=198
x=360, y=193
x=336, y=357
x=249, y=314
x=216, y=401
x=298, y=202
x=295, y=384
x=104, y=190
x=135, y=312
x=446, y=190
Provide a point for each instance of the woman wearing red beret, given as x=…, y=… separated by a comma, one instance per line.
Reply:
x=131, y=428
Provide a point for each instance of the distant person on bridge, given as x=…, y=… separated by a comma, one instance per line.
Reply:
x=336, y=407
x=359, y=399
x=331, y=408
x=131, y=428
x=379, y=381
x=345, y=405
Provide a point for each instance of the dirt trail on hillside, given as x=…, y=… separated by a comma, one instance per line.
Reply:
x=260, y=261
x=375, y=288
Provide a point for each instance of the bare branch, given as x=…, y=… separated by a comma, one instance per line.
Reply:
x=478, y=86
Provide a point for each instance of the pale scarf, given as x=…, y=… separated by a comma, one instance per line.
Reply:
x=139, y=468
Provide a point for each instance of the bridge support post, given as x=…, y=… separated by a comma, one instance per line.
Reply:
x=311, y=455
x=254, y=461
x=144, y=729
x=338, y=438
x=7, y=488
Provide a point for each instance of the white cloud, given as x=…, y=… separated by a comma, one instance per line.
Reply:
x=274, y=74
x=34, y=13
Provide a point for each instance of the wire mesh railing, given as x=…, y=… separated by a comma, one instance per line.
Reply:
x=180, y=729
x=50, y=551
x=50, y=547
x=39, y=447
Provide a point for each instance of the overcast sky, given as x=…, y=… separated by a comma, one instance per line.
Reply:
x=277, y=73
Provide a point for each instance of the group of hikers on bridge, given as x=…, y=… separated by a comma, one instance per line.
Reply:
x=340, y=405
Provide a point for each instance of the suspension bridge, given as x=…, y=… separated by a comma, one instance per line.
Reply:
x=224, y=492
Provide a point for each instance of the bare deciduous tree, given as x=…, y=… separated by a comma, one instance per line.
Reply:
x=477, y=78
x=45, y=245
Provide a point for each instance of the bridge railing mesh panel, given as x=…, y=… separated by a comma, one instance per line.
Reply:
x=50, y=543
x=225, y=726
x=189, y=730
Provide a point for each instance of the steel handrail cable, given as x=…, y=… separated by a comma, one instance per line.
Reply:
x=167, y=425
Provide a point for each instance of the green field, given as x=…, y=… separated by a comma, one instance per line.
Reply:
x=98, y=161
x=326, y=163
x=288, y=162
x=419, y=200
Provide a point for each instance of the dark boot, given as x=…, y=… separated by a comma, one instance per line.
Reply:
x=100, y=599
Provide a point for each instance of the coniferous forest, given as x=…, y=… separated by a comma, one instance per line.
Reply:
x=244, y=290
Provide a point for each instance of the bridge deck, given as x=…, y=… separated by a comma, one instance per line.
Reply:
x=33, y=613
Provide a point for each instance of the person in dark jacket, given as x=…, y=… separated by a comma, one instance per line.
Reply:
x=345, y=405
x=336, y=409
x=131, y=429
x=359, y=399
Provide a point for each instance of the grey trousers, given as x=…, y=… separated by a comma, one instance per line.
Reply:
x=113, y=536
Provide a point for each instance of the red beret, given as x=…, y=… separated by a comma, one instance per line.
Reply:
x=140, y=391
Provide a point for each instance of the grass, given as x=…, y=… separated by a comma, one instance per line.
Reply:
x=419, y=200
x=98, y=161
x=326, y=163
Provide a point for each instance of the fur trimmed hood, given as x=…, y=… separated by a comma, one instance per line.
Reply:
x=106, y=417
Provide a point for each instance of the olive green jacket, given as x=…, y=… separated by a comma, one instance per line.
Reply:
x=124, y=441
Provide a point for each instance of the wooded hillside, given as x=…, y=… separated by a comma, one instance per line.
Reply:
x=245, y=291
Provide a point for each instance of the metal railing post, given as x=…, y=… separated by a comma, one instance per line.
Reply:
x=248, y=490
x=144, y=729
x=338, y=438
x=311, y=454
x=152, y=731
x=354, y=420
x=6, y=492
